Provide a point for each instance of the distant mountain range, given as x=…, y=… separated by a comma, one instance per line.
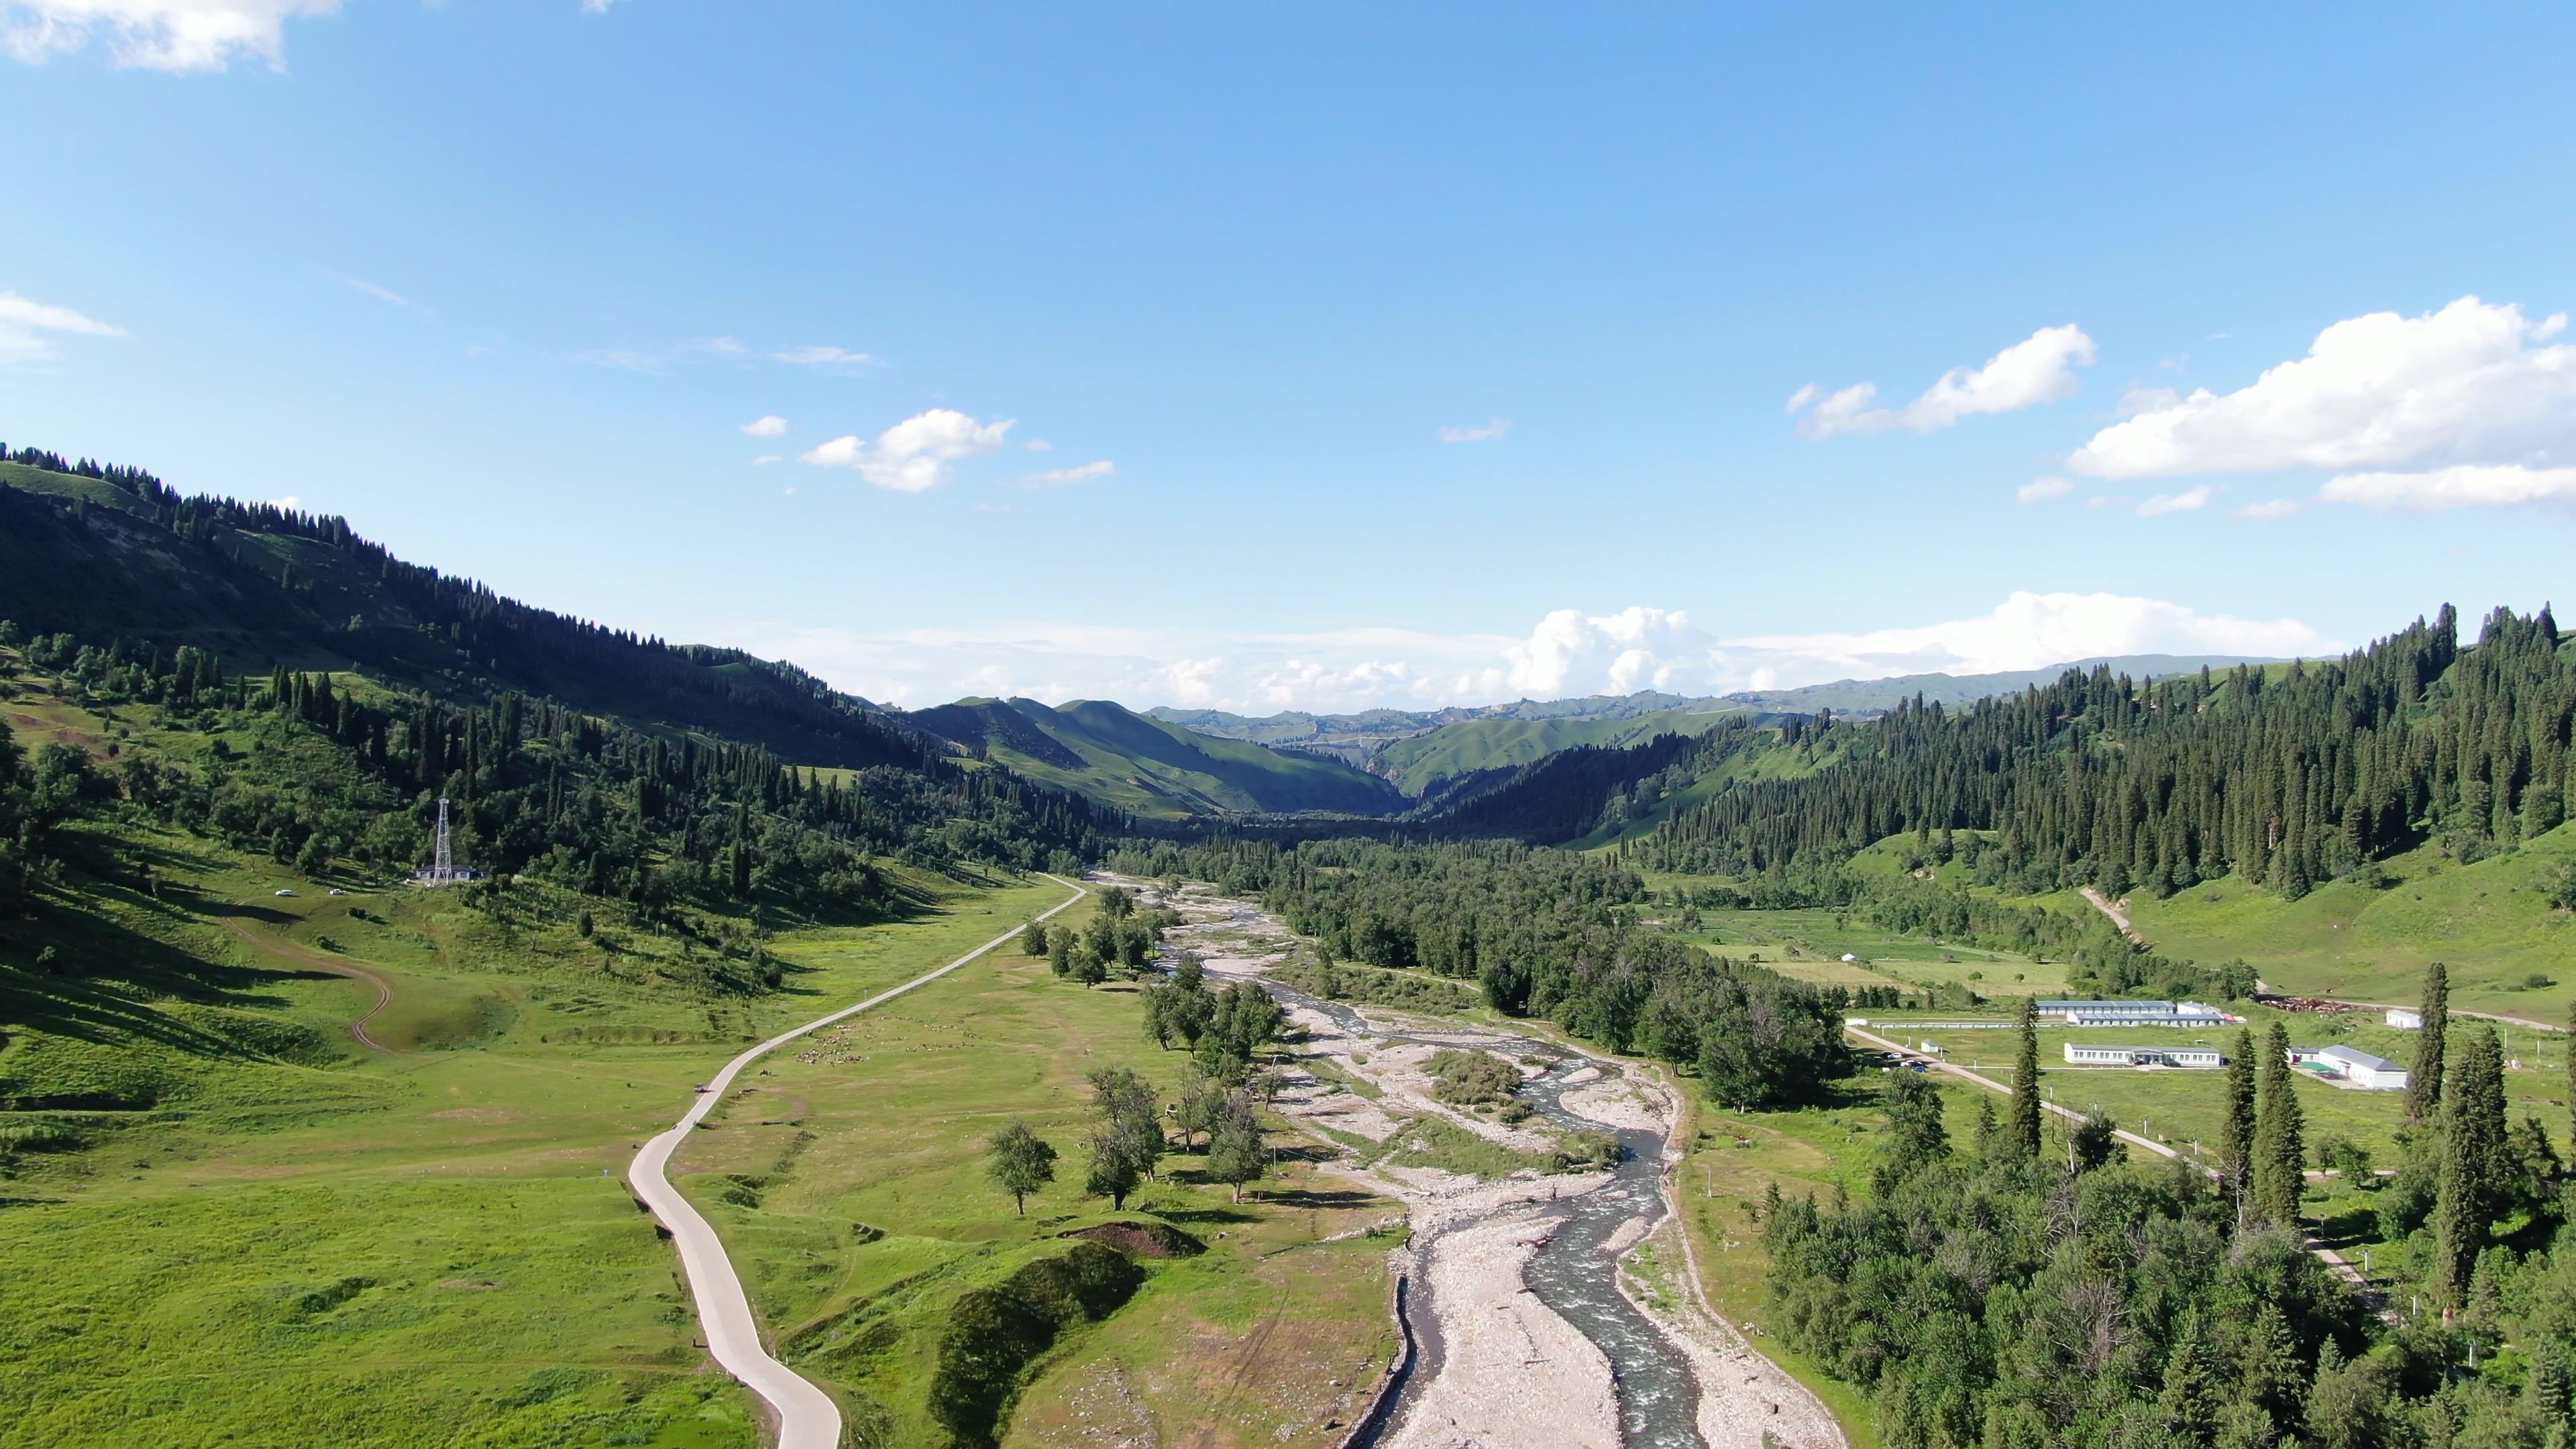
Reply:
x=1421, y=751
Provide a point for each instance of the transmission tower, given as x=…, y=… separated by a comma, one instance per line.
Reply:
x=443, y=866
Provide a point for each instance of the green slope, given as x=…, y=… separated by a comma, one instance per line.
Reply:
x=260, y=587
x=2369, y=937
x=1148, y=767
x=1419, y=763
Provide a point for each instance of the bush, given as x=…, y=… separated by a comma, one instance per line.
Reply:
x=994, y=1334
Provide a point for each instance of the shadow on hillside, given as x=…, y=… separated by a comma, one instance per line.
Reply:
x=1298, y=1197
x=108, y=982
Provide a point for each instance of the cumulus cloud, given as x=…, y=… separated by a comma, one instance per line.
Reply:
x=2465, y=486
x=1068, y=477
x=769, y=426
x=176, y=35
x=2040, y=368
x=1567, y=652
x=915, y=455
x=1493, y=429
x=25, y=321
x=2469, y=384
x=826, y=357
x=2039, y=488
x=2188, y=501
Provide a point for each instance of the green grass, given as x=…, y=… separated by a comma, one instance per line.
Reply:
x=1808, y=945
x=275, y=1237
x=2488, y=922
x=877, y=1126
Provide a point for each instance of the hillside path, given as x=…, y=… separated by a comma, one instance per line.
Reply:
x=807, y=1416
x=2119, y=917
x=337, y=967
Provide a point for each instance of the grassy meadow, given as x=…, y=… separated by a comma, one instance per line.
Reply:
x=849, y=1182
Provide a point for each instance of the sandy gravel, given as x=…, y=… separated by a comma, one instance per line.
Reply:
x=1742, y=1395
x=1515, y=1376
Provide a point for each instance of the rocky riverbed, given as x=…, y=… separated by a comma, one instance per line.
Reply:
x=1530, y=1335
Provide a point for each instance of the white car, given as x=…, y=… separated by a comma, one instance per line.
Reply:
x=339, y=892
x=283, y=893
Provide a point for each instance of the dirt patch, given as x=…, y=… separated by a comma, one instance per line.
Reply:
x=1142, y=1240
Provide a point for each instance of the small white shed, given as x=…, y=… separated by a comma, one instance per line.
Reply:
x=2405, y=1020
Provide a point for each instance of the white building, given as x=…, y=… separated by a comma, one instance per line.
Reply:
x=2134, y=1013
x=2404, y=1020
x=2128, y=1056
x=2377, y=1074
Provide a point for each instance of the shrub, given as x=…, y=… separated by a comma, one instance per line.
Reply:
x=994, y=1334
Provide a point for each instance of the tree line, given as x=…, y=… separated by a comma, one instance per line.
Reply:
x=1542, y=934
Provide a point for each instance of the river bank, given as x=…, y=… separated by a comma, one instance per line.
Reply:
x=1532, y=1331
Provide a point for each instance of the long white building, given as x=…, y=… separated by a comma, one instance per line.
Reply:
x=2138, y=1056
x=2135, y=1013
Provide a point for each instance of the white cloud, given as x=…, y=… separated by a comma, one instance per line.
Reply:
x=914, y=455
x=2187, y=501
x=2269, y=508
x=1568, y=652
x=291, y=503
x=2039, y=488
x=386, y=295
x=765, y=459
x=769, y=426
x=1038, y=445
x=23, y=322
x=2040, y=368
x=826, y=357
x=2468, y=384
x=2447, y=488
x=1067, y=477
x=176, y=35
x=1496, y=428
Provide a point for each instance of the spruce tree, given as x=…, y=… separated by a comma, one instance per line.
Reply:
x=2424, y=1084
x=2279, y=1152
x=2236, y=1129
x=2471, y=1185
x=2021, y=1134
x=2189, y=1399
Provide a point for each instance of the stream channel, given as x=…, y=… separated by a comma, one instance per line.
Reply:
x=1574, y=1273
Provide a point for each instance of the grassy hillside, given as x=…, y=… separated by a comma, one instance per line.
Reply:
x=2369, y=937
x=1148, y=767
x=291, y=1157
x=261, y=587
x=1418, y=765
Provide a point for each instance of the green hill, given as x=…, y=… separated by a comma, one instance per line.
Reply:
x=123, y=555
x=1419, y=764
x=1148, y=767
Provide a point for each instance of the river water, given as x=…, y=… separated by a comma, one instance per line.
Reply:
x=1575, y=1272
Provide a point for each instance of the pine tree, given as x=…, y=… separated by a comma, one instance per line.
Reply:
x=2189, y=1398
x=2280, y=1165
x=2237, y=1128
x=2424, y=1084
x=2021, y=1136
x=2471, y=1184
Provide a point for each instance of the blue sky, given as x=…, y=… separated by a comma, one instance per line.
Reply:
x=1417, y=357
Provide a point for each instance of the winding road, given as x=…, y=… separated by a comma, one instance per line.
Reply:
x=807, y=1416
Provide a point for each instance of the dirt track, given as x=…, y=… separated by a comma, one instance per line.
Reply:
x=307, y=956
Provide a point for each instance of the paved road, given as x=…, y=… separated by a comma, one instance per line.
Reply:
x=807, y=1417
